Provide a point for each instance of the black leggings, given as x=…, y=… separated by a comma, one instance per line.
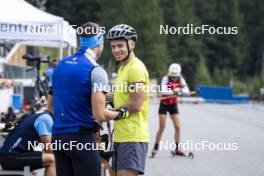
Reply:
x=20, y=160
x=77, y=161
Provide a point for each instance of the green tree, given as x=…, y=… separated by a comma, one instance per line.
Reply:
x=77, y=12
x=222, y=77
x=202, y=75
x=150, y=47
x=254, y=29
x=222, y=51
x=184, y=49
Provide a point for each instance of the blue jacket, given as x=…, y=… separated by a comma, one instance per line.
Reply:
x=72, y=92
x=19, y=139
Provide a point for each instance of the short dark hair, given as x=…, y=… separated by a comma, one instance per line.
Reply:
x=89, y=29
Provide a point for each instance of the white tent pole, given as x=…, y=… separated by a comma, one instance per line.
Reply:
x=61, y=50
x=61, y=41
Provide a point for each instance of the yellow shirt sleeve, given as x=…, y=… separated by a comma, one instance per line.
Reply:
x=137, y=74
x=137, y=78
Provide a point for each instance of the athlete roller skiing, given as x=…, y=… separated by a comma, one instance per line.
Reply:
x=173, y=85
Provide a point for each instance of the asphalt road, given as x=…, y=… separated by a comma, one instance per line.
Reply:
x=239, y=128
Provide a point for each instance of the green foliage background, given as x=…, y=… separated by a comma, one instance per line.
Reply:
x=206, y=59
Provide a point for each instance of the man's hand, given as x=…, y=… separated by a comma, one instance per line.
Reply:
x=123, y=113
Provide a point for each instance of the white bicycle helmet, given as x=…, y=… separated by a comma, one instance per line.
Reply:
x=122, y=31
x=175, y=70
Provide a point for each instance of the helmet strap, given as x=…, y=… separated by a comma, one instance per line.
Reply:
x=128, y=52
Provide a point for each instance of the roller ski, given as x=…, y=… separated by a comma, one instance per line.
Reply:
x=182, y=154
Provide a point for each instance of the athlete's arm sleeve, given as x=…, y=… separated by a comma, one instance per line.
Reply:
x=185, y=88
x=137, y=78
x=43, y=125
x=99, y=80
x=164, y=87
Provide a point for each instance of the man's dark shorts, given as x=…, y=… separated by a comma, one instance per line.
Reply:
x=130, y=156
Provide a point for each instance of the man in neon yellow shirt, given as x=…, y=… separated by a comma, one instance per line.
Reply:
x=131, y=93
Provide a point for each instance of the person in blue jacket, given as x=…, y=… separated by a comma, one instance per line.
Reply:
x=19, y=146
x=77, y=98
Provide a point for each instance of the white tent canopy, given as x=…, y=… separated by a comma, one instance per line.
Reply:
x=21, y=21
